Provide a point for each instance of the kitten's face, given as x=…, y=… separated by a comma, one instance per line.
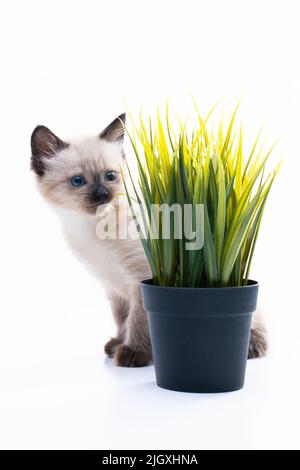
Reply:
x=82, y=176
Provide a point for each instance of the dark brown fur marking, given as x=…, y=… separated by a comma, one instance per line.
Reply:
x=115, y=130
x=258, y=342
x=128, y=357
x=44, y=144
x=111, y=346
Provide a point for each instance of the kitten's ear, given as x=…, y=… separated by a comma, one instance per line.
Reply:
x=44, y=144
x=115, y=131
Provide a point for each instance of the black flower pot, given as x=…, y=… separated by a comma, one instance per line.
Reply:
x=200, y=336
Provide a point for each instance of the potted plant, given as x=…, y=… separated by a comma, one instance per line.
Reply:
x=200, y=299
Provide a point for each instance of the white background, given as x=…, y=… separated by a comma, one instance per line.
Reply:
x=70, y=65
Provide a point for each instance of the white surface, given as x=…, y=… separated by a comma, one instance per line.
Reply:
x=69, y=65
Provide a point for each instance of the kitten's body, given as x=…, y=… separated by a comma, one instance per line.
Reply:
x=110, y=260
x=120, y=264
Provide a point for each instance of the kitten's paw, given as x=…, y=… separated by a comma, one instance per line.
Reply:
x=111, y=346
x=125, y=356
x=258, y=346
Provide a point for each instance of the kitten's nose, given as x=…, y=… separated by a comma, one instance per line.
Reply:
x=99, y=194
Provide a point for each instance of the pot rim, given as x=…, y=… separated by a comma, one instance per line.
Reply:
x=251, y=284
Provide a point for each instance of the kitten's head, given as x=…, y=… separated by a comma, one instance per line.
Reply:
x=81, y=175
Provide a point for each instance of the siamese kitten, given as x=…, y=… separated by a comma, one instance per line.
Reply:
x=82, y=180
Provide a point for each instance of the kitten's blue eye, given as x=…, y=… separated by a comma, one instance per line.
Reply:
x=110, y=175
x=78, y=181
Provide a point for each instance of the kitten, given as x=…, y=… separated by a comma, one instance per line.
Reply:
x=82, y=180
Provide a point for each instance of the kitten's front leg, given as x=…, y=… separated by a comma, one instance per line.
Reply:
x=136, y=349
x=120, y=310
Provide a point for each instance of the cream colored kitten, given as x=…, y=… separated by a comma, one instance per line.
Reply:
x=82, y=180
